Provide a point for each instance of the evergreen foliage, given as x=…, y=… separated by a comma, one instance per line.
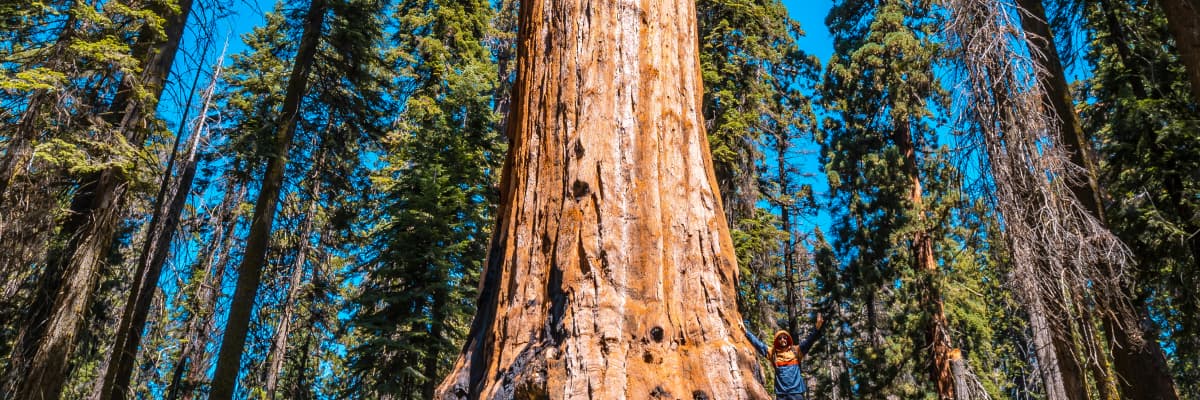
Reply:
x=434, y=209
x=1146, y=130
x=385, y=166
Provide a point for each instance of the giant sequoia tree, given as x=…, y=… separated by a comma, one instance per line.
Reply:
x=882, y=95
x=611, y=271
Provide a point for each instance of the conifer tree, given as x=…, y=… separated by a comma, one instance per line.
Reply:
x=1147, y=135
x=751, y=67
x=75, y=259
x=882, y=94
x=339, y=40
x=436, y=216
x=1134, y=350
x=250, y=270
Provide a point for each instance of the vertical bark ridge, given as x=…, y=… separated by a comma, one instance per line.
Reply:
x=611, y=273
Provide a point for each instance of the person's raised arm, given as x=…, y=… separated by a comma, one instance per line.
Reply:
x=813, y=335
x=758, y=344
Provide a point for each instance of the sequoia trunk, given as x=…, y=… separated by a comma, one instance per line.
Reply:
x=942, y=352
x=611, y=272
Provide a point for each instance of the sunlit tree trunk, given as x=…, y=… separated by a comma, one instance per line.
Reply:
x=943, y=354
x=611, y=272
x=258, y=238
x=119, y=368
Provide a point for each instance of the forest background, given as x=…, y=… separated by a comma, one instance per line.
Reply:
x=141, y=139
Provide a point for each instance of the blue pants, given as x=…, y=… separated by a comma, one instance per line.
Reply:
x=797, y=396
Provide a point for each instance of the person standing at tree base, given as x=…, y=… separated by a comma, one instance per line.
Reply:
x=787, y=357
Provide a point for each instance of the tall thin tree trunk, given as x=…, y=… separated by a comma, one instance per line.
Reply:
x=73, y=270
x=434, y=357
x=210, y=266
x=115, y=382
x=1045, y=54
x=789, y=244
x=1139, y=361
x=611, y=272
x=279, y=343
x=258, y=239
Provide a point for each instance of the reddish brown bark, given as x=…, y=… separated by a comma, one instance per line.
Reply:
x=611, y=272
x=938, y=334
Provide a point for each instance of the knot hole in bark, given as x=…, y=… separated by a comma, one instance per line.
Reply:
x=656, y=333
x=699, y=395
x=580, y=189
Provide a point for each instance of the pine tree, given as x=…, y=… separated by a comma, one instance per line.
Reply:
x=250, y=270
x=338, y=55
x=754, y=103
x=76, y=258
x=882, y=94
x=435, y=218
x=1135, y=352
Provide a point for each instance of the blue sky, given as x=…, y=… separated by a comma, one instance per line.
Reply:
x=811, y=15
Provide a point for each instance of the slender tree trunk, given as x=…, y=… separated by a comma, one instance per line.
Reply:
x=504, y=50
x=1139, y=362
x=193, y=356
x=115, y=382
x=611, y=272
x=1183, y=20
x=433, y=357
x=73, y=270
x=258, y=239
x=279, y=344
x=789, y=244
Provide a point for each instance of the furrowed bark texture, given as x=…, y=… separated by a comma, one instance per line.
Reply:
x=611, y=272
